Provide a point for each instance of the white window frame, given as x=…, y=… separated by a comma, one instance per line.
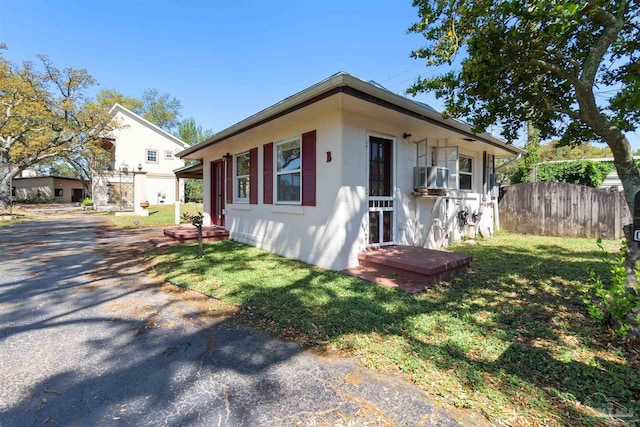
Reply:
x=146, y=155
x=447, y=157
x=276, y=174
x=168, y=155
x=237, y=177
x=461, y=172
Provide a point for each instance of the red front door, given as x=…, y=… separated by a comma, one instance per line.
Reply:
x=217, y=192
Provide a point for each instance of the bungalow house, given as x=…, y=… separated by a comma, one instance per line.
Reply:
x=141, y=163
x=345, y=165
x=47, y=189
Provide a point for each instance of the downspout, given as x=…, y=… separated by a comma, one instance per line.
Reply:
x=518, y=157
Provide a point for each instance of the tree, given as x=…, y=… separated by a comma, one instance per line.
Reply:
x=44, y=116
x=570, y=68
x=192, y=133
x=162, y=110
x=525, y=167
x=106, y=98
x=554, y=151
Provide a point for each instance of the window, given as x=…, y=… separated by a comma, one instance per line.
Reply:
x=380, y=160
x=57, y=192
x=152, y=156
x=466, y=172
x=168, y=155
x=447, y=157
x=288, y=171
x=242, y=165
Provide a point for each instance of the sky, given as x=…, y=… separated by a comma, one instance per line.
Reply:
x=224, y=60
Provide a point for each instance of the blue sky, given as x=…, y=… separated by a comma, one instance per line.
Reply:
x=224, y=60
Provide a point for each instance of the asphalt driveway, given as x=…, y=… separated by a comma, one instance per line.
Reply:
x=88, y=338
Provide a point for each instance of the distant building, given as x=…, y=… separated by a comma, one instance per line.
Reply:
x=47, y=189
x=138, y=148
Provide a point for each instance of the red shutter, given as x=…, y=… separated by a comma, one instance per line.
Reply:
x=253, y=176
x=309, y=168
x=267, y=182
x=229, y=165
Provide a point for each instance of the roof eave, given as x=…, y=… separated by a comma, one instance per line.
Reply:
x=338, y=80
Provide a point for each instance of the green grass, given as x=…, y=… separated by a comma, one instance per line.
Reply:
x=510, y=339
x=159, y=216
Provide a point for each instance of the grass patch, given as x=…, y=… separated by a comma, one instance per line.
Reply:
x=509, y=339
x=159, y=216
x=14, y=216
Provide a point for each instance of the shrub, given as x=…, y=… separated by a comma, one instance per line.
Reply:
x=611, y=303
x=87, y=202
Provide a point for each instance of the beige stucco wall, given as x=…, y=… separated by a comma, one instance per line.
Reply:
x=131, y=142
x=42, y=189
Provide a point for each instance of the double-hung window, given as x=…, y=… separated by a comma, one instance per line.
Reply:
x=466, y=173
x=288, y=171
x=243, y=170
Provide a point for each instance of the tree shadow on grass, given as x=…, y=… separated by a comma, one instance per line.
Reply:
x=515, y=318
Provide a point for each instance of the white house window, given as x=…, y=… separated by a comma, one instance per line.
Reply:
x=447, y=157
x=242, y=166
x=168, y=155
x=466, y=172
x=288, y=163
x=152, y=156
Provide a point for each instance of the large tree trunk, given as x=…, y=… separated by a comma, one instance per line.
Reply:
x=630, y=178
x=7, y=171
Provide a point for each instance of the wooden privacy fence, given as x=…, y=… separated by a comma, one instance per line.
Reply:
x=563, y=210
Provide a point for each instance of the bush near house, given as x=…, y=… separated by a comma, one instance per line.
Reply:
x=511, y=339
x=582, y=172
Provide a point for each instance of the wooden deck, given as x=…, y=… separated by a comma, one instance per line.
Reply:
x=187, y=233
x=409, y=268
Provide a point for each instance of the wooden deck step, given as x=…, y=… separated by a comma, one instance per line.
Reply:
x=412, y=269
x=189, y=233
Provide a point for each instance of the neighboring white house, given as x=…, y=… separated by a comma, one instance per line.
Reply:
x=142, y=156
x=344, y=165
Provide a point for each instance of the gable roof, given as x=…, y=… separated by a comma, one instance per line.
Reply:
x=346, y=83
x=120, y=108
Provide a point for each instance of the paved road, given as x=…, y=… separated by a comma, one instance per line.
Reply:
x=87, y=338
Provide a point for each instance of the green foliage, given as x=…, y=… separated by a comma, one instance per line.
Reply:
x=46, y=117
x=554, y=151
x=516, y=61
x=87, y=202
x=193, y=190
x=586, y=172
x=194, y=218
x=611, y=303
x=191, y=132
x=106, y=98
x=160, y=109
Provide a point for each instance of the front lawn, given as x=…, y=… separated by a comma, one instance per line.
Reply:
x=159, y=216
x=511, y=339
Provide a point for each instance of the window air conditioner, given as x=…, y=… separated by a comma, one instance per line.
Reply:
x=433, y=177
